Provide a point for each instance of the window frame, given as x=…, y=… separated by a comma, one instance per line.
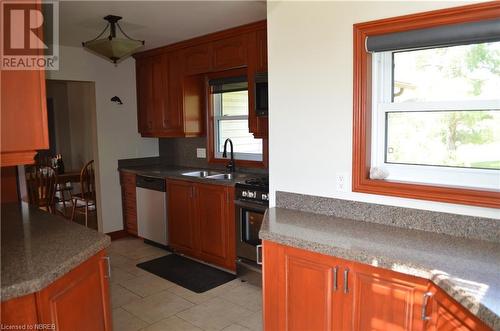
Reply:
x=382, y=83
x=212, y=156
x=362, y=108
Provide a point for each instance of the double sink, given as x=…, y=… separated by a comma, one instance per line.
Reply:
x=209, y=175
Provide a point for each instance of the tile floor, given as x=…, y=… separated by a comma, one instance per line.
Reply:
x=143, y=301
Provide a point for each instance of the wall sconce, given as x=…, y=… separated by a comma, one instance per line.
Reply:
x=116, y=100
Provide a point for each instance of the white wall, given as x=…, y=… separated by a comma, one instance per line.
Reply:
x=310, y=86
x=117, y=136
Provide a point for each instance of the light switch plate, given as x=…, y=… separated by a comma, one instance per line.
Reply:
x=201, y=153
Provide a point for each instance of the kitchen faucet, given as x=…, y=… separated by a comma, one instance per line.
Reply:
x=230, y=166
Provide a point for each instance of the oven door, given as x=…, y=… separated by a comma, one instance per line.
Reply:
x=249, y=217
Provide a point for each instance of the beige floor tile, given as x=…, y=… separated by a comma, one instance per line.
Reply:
x=125, y=321
x=236, y=327
x=246, y=295
x=173, y=323
x=118, y=275
x=158, y=306
x=146, y=285
x=252, y=322
x=121, y=296
x=215, y=314
x=226, y=287
x=144, y=252
x=190, y=295
x=118, y=260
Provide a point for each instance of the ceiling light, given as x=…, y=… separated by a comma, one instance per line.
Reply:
x=112, y=47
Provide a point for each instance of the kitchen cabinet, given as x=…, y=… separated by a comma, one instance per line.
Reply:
x=309, y=291
x=446, y=314
x=24, y=127
x=201, y=221
x=129, y=202
x=197, y=59
x=181, y=217
x=257, y=50
x=168, y=104
x=77, y=300
x=229, y=53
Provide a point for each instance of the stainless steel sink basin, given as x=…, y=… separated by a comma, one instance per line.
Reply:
x=200, y=173
x=221, y=177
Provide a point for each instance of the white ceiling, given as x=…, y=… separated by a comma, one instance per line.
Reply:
x=157, y=22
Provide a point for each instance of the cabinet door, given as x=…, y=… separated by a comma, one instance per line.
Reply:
x=160, y=92
x=213, y=220
x=129, y=202
x=299, y=291
x=24, y=116
x=261, y=50
x=448, y=315
x=79, y=300
x=174, y=109
x=197, y=59
x=383, y=300
x=181, y=217
x=230, y=53
x=144, y=73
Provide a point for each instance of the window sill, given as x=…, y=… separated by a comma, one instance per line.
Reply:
x=466, y=196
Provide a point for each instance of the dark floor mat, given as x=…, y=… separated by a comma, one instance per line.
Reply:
x=187, y=273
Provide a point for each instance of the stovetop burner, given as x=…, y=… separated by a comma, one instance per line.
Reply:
x=259, y=181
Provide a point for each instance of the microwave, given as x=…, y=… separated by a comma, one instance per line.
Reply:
x=261, y=94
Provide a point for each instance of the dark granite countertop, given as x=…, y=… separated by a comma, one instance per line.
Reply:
x=38, y=248
x=161, y=171
x=467, y=269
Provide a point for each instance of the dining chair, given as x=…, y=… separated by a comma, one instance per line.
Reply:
x=86, y=198
x=41, y=185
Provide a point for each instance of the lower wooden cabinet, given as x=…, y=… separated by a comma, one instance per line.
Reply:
x=201, y=221
x=78, y=300
x=129, y=202
x=308, y=291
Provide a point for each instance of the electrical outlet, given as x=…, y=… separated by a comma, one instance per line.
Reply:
x=201, y=153
x=341, y=182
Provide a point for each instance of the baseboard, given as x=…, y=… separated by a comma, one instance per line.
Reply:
x=118, y=234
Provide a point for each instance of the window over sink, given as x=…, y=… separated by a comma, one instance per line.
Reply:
x=229, y=110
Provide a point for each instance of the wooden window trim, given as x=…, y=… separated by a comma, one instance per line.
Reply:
x=362, y=109
x=210, y=126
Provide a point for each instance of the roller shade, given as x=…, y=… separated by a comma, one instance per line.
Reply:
x=228, y=84
x=446, y=35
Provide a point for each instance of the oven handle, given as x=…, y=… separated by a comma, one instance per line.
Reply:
x=258, y=248
x=254, y=206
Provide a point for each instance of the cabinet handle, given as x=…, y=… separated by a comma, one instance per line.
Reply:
x=259, y=254
x=427, y=295
x=335, y=278
x=346, y=280
x=108, y=263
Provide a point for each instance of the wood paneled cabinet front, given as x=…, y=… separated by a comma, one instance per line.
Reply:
x=78, y=300
x=303, y=290
x=129, y=202
x=24, y=127
x=168, y=104
x=201, y=221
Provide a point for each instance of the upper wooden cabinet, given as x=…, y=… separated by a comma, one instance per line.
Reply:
x=24, y=116
x=197, y=59
x=229, y=53
x=171, y=89
x=310, y=291
x=168, y=104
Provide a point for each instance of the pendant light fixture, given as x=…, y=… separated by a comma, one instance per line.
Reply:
x=112, y=47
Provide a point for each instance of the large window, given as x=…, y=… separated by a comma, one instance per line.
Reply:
x=427, y=106
x=436, y=115
x=230, y=119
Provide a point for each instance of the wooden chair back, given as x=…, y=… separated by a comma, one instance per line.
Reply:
x=87, y=181
x=41, y=186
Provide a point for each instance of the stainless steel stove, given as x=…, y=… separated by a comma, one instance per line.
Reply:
x=251, y=202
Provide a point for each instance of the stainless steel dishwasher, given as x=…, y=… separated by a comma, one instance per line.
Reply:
x=152, y=209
